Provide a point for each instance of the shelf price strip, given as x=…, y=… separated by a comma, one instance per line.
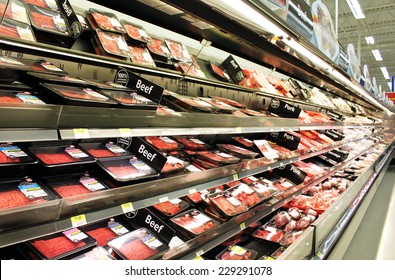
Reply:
x=127, y=207
x=125, y=132
x=78, y=221
x=81, y=133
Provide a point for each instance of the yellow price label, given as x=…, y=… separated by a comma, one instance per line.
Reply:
x=238, y=129
x=78, y=221
x=81, y=133
x=127, y=207
x=242, y=225
x=235, y=177
x=125, y=132
x=200, y=252
x=198, y=258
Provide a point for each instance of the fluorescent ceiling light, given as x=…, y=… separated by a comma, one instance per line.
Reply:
x=369, y=40
x=385, y=73
x=356, y=9
x=390, y=85
x=377, y=55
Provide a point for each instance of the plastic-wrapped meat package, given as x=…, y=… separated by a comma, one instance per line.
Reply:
x=141, y=55
x=290, y=238
x=303, y=202
x=254, y=113
x=173, y=164
x=48, y=4
x=237, y=253
x=217, y=157
x=313, y=117
x=227, y=203
x=244, y=141
x=16, y=10
x=237, y=151
x=281, y=219
x=113, y=44
x=283, y=184
x=201, y=163
x=195, y=197
x=283, y=153
x=266, y=190
x=219, y=72
x=192, y=143
x=158, y=47
x=171, y=207
x=178, y=51
x=163, y=143
x=221, y=107
x=190, y=68
x=256, y=79
x=246, y=195
x=249, y=180
x=324, y=199
x=104, y=150
x=17, y=30
x=47, y=20
x=11, y=154
x=290, y=226
x=229, y=102
x=136, y=32
x=140, y=244
x=105, y=21
x=267, y=151
x=294, y=213
x=56, y=155
x=102, y=232
x=302, y=223
x=194, y=222
x=269, y=233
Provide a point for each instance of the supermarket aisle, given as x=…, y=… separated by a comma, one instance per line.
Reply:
x=374, y=238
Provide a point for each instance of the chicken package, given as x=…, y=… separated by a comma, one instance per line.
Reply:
x=140, y=244
x=236, y=252
x=226, y=203
x=194, y=222
x=237, y=151
x=245, y=194
x=163, y=143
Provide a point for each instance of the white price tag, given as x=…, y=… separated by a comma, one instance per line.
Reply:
x=75, y=235
x=163, y=199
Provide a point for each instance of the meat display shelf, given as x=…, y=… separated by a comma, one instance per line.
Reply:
x=331, y=225
x=97, y=206
x=208, y=240
x=40, y=50
x=26, y=135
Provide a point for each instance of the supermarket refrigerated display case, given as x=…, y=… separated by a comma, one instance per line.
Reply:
x=58, y=122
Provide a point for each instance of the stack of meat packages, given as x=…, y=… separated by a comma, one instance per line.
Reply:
x=311, y=141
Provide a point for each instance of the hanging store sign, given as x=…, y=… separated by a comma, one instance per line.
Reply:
x=233, y=69
x=71, y=16
x=285, y=139
x=292, y=173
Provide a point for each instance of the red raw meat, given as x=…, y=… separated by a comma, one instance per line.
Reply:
x=281, y=219
x=324, y=199
x=193, y=225
x=137, y=250
x=178, y=50
x=168, y=208
x=71, y=190
x=220, y=73
x=5, y=159
x=226, y=206
x=230, y=102
x=44, y=22
x=303, y=202
x=290, y=226
x=39, y=3
x=141, y=55
x=9, y=99
x=290, y=238
x=273, y=234
x=8, y=14
x=195, y=197
x=191, y=143
x=102, y=235
x=311, y=212
x=110, y=44
x=124, y=171
x=82, y=95
x=99, y=153
x=133, y=32
x=103, y=21
x=303, y=223
x=238, y=150
x=9, y=31
x=56, y=246
x=16, y=198
x=231, y=256
x=203, y=163
x=248, y=196
x=56, y=158
x=217, y=157
x=244, y=141
x=164, y=144
x=282, y=152
x=157, y=46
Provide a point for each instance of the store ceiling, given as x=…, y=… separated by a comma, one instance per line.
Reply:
x=379, y=22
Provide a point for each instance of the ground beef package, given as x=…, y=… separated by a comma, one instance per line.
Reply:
x=141, y=55
x=131, y=99
x=170, y=208
x=104, y=149
x=105, y=21
x=110, y=44
x=105, y=231
x=98, y=253
x=18, y=30
x=16, y=10
x=140, y=244
x=193, y=222
x=11, y=154
x=135, y=33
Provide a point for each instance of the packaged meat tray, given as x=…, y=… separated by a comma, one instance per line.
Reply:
x=104, y=150
x=283, y=184
x=282, y=152
x=105, y=21
x=48, y=4
x=159, y=50
x=11, y=154
x=10, y=69
x=105, y=231
x=192, y=143
x=178, y=51
x=140, y=244
x=135, y=33
x=290, y=237
x=264, y=188
x=247, y=195
x=173, y=164
x=187, y=103
x=127, y=169
x=266, y=150
x=226, y=203
x=42, y=66
x=236, y=252
x=77, y=95
x=19, y=97
x=110, y=44
x=107, y=85
x=141, y=55
x=61, y=245
x=52, y=156
x=17, y=193
x=163, y=143
x=220, y=105
x=190, y=68
x=243, y=141
x=98, y=253
x=269, y=233
x=83, y=22
x=201, y=163
x=170, y=208
x=219, y=72
x=47, y=20
x=73, y=185
x=55, y=79
x=16, y=10
x=237, y=151
x=18, y=30
x=217, y=157
x=229, y=102
x=194, y=222
x=130, y=99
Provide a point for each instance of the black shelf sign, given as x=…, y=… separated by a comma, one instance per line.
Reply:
x=285, y=139
x=292, y=173
x=72, y=19
x=147, y=153
x=233, y=69
x=283, y=109
x=334, y=135
x=336, y=155
x=143, y=87
x=334, y=116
